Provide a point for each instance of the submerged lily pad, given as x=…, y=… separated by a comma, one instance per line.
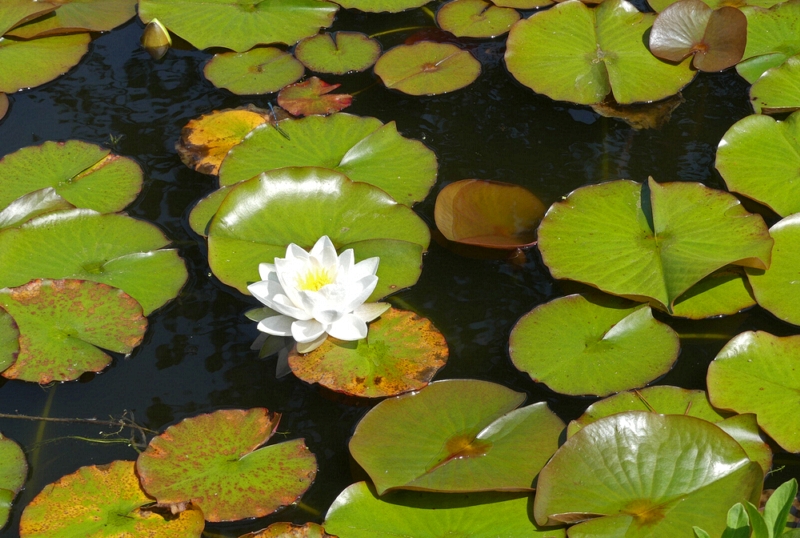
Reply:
x=338, y=53
x=103, y=501
x=602, y=49
x=313, y=96
x=641, y=115
x=427, y=68
x=475, y=18
x=240, y=26
x=401, y=353
x=33, y=62
x=722, y=293
x=85, y=175
x=778, y=89
x=32, y=205
x=9, y=340
x=655, y=241
x=78, y=16
x=60, y=323
x=379, y=6
x=773, y=36
x=625, y=475
x=364, y=149
x=614, y=345
x=290, y=530
x=257, y=71
x=13, y=471
x=214, y=461
x=456, y=435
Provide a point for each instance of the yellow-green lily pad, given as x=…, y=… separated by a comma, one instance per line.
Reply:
x=475, y=18
x=778, y=89
x=29, y=63
x=379, y=6
x=15, y=12
x=427, y=68
x=338, y=53
x=255, y=72
x=13, y=470
x=78, y=16
x=9, y=340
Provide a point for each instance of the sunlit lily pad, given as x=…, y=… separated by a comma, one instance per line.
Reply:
x=258, y=219
x=32, y=205
x=338, y=53
x=358, y=512
x=101, y=501
x=363, y=149
x=257, y=71
x=475, y=18
x=202, y=213
x=722, y=293
x=78, y=16
x=214, y=461
x=574, y=53
x=113, y=249
x=313, y=96
x=456, y=435
x=290, y=530
x=653, y=240
x=9, y=340
x=427, y=68
x=402, y=352
x=757, y=372
x=625, y=475
x=773, y=36
x=778, y=89
x=60, y=323
x=30, y=63
x=488, y=214
x=240, y=26
x=15, y=12
x=379, y=6
x=744, y=428
x=85, y=175
x=13, y=471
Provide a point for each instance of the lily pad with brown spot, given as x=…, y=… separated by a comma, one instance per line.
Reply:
x=255, y=72
x=29, y=63
x=290, y=530
x=103, y=501
x=338, y=53
x=78, y=16
x=401, y=353
x=13, y=469
x=62, y=323
x=475, y=18
x=427, y=68
x=313, y=96
x=214, y=461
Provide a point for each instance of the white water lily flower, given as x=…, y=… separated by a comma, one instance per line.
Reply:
x=316, y=294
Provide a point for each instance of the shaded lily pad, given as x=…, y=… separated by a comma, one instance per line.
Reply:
x=757, y=372
x=103, y=501
x=358, y=512
x=9, y=341
x=640, y=115
x=113, y=249
x=13, y=471
x=31, y=63
x=78, y=16
x=85, y=175
x=60, y=323
x=363, y=149
x=3, y=105
x=257, y=71
x=202, y=213
x=525, y=4
x=313, y=96
x=488, y=214
x=290, y=530
x=722, y=293
x=614, y=345
x=655, y=241
x=427, y=68
x=402, y=352
x=602, y=49
x=773, y=36
x=338, y=53
x=778, y=89
x=379, y=6
x=257, y=221
x=32, y=205
x=214, y=461
x=15, y=12
x=475, y=18
x=237, y=26
x=624, y=475
x=456, y=435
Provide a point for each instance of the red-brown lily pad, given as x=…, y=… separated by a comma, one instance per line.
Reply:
x=103, y=501
x=290, y=530
x=427, y=68
x=401, y=353
x=13, y=471
x=214, y=461
x=313, y=96
x=488, y=214
x=62, y=323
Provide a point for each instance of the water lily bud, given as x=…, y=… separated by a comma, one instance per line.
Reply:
x=156, y=39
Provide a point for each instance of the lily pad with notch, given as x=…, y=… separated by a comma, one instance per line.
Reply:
x=13, y=471
x=724, y=292
x=313, y=96
x=258, y=71
x=78, y=16
x=778, y=89
x=214, y=461
x=773, y=36
x=427, y=68
x=475, y=18
x=456, y=436
x=338, y=53
x=29, y=63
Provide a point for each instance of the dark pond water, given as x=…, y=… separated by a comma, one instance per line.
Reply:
x=196, y=356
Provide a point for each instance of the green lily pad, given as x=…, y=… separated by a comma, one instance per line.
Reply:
x=9, y=341
x=778, y=89
x=456, y=435
x=380, y=6
x=313, y=96
x=290, y=530
x=32, y=205
x=475, y=18
x=773, y=36
x=202, y=213
x=85, y=175
x=363, y=149
x=778, y=288
x=525, y=4
x=402, y=352
x=257, y=221
x=60, y=323
x=78, y=16
x=625, y=475
x=214, y=461
x=722, y=293
x=255, y=72
x=338, y=53
x=102, y=501
x=609, y=345
x=13, y=471
x=427, y=68
x=33, y=62
x=759, y=157
x=660, y=5
x=757, y=372
x=15, y=12
x=744, y=428
x=603, y=49
x=654, y=241
x=358, y=512
x=113, y=249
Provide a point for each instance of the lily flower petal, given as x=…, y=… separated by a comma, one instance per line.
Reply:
x=367, y=285
x=348, y=327
x=324, y=251
x=271, y=294
x=364, y=268
x=308, y=347
x=265, y=270
x=307, y=330
x=370, y=311
x=277, y=325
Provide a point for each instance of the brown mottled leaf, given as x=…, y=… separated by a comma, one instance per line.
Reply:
x=289, y=530
x=313, y=96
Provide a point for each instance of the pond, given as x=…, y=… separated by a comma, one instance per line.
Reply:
x=196, y=356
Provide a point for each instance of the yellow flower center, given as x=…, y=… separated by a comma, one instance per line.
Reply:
x=315, y=278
